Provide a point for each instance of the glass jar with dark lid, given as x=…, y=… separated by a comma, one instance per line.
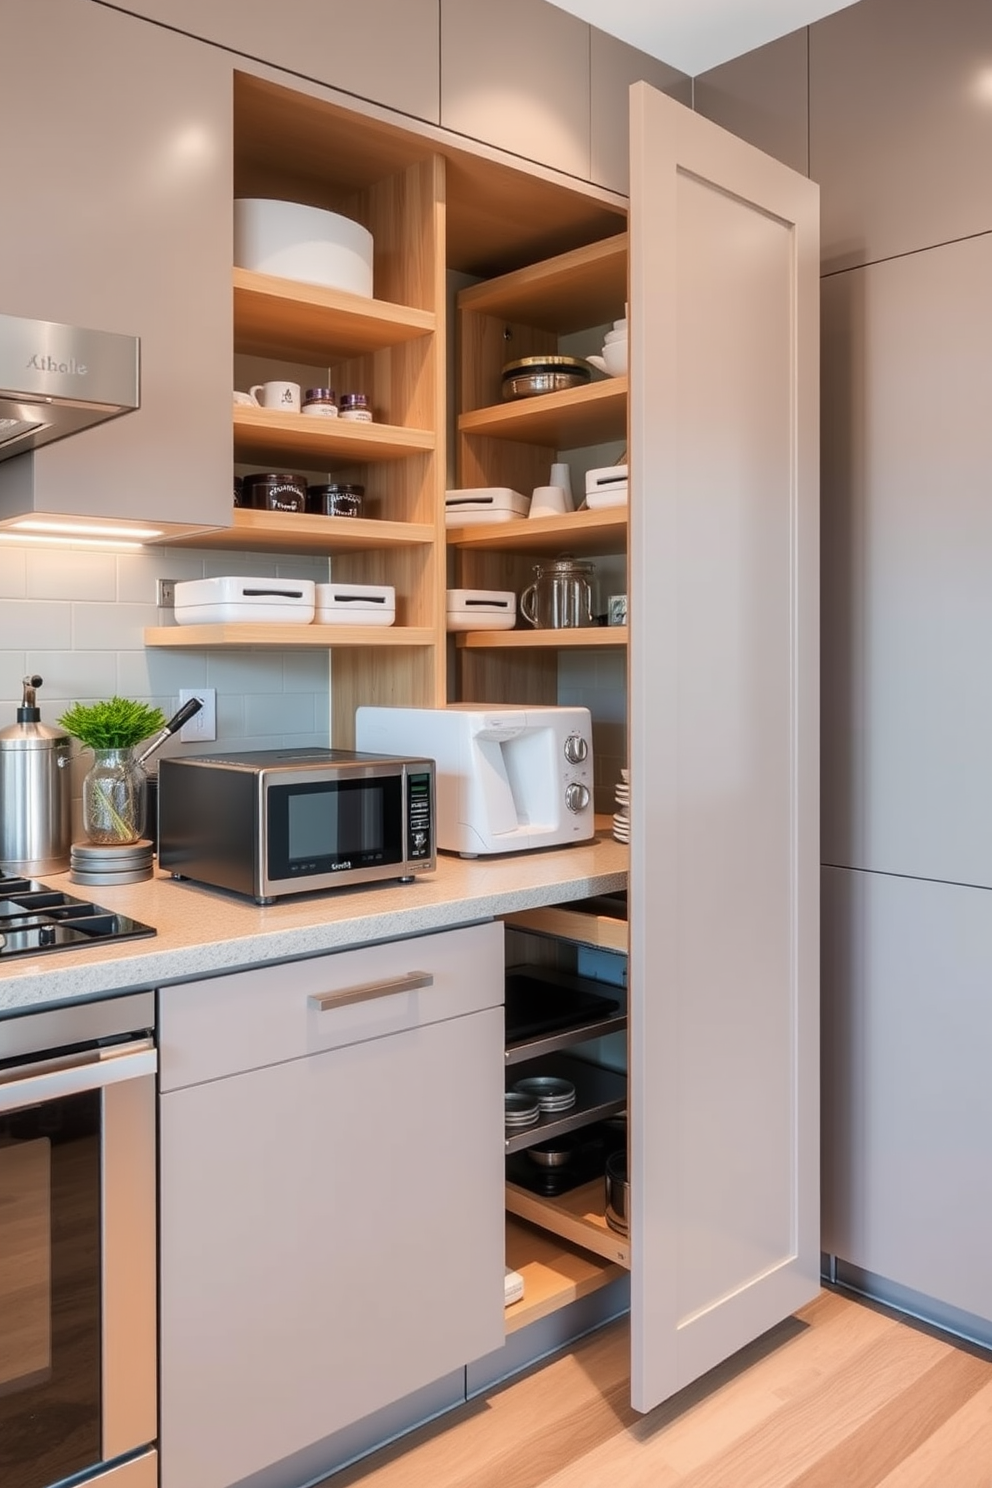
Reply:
x=335, y=499
x=319, y=403
x=272, y=491
x=355, y=406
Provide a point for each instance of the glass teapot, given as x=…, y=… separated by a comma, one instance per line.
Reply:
x=561, y=596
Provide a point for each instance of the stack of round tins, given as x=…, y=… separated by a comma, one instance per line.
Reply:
x=521, y=1110
x=550, y=1091
x=100, y=863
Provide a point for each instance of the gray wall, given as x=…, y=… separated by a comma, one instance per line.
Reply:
x=890, y=101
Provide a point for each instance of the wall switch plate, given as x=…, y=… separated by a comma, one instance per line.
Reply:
x=165, y=594
x=202, y=727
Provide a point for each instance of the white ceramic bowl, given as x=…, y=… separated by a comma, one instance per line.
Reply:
x=305, y=243
x=615, y=357
x=615, y=336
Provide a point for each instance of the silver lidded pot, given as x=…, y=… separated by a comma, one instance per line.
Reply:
x=35, y=792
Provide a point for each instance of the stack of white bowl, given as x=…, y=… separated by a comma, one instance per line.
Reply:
x=613, y=358
x=621, y=817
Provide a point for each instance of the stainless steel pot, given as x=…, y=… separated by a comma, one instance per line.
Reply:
x=561, y=597
x=617, y=1193
x=35, y=792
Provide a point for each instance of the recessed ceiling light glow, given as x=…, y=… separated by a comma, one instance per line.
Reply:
x=82, y=529
x=65, y=540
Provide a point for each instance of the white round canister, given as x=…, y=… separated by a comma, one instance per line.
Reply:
x=295, y=241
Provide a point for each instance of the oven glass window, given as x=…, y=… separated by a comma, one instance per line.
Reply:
x=50, y=1291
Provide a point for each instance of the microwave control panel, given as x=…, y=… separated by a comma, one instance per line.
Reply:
x=419, y=816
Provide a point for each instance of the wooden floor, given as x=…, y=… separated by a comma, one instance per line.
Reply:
x=843, y=1396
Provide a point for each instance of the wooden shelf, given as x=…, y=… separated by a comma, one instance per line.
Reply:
x=578, y=1217
x=287, y=637
x=531, y=640
x=602, y=531
x=604, y=932
x=304, y=322
x=265, y=436
x=569, y=420
x=554, y=1272
x=301, y=532
x=586, y=287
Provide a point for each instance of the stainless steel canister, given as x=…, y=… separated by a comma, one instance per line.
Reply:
x=561, y=596
x=35, y=792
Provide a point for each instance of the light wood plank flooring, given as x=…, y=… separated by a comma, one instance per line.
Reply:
x=845, y=1395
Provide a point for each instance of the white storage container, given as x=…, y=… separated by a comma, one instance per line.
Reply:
x=232, y=600
x=606, y=486
x=355, y=604
x=483, y=504
x=481, y=609
x=301, y=242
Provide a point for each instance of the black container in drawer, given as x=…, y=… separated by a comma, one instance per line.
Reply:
x=540, y=1000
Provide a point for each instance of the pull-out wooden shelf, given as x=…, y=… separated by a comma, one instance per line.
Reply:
x=531, y=640
x=304, y=322
x=286, y=637
x=585, y=927
x=600, y=532
x=265, y=435
x=554, y=1272
x=578, y=1217
x=568, y=420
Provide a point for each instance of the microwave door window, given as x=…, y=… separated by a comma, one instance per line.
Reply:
x=324, y=827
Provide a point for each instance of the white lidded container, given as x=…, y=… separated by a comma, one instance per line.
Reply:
x=483, y=504
x=481, y=609
x=355, y=604
x=229, y=599
x=310, y=244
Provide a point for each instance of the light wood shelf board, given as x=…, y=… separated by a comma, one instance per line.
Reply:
x=301, y=532
x=554, y=1272
x=569, y=420
x=601, y=531
x=595, y=636
x=305, y=322
x=262, y=435
x=578, y=1217
x=286, y=637
x=585, y=287
x=567, y=924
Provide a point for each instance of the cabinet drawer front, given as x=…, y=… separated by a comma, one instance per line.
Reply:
x=250, y=1019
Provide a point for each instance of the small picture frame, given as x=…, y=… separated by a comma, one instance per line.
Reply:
x=616, y=611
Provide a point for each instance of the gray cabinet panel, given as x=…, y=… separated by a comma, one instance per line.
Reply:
x=763, y=97
x=907, y=551
x=614, y=66
x=383, y=50
x=117, y=212
x=907, y=1102
x=899, y=134
x=516, y=75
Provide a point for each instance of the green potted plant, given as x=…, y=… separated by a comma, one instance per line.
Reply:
x=114, y=790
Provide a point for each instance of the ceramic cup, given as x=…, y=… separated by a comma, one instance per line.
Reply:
x=549, y=501
x=244, y=400
x=284, y=395
x=561, y=475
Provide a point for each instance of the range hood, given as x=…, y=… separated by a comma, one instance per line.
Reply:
x=57, y=379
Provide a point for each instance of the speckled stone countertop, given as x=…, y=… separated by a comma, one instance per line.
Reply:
x=205, y=932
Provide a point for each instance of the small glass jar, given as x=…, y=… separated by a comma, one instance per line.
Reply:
x=319, y=403
x=335, y=500
x=115, y=797
x=355, y=406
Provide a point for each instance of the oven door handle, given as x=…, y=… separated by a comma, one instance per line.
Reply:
x=69, y=1074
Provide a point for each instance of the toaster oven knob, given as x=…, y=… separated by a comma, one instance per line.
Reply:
x=576, y=749
x=576, y=797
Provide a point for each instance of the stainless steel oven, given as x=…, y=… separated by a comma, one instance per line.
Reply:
x=77, y=1246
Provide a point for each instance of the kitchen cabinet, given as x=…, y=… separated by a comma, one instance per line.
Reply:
x=123, y=205
x=331, y=1194
x=907, y=1102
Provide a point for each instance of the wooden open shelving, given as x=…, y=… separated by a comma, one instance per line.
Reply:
x=562, y=294
x=555, y=1273
x=579, y=416
x=302, y=532
x=286, y=637
x=305, y=322
x=266, y=435
x=600, y=531
x=595, y=636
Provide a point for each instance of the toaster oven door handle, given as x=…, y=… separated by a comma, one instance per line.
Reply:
x=324, y=1002
x=69, y=1074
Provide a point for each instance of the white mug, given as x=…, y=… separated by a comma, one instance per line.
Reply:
x=245, y=400
x=549, y=501
x=284, y=395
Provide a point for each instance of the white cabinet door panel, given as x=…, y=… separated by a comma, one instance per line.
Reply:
x=724, y=744
x=907, y=1100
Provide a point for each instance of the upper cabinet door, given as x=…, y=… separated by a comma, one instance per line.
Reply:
x=724, y=898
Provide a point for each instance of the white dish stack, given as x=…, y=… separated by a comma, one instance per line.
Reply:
x=621, y=817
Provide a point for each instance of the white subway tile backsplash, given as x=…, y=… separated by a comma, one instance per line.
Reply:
x=59, y=573
x=279, y=713
x=305, y=671
x=74, y=676
x=111, y=627
x=13, y=667
x=138, y=573
x=35, y=623
x=13, y=572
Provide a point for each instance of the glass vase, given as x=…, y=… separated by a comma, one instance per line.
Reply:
x=115, y=791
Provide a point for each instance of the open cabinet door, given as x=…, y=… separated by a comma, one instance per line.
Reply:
x=724, y=684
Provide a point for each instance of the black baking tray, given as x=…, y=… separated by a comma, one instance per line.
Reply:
x=540, y=1000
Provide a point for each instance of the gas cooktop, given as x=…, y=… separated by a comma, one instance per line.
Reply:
x=35, y=919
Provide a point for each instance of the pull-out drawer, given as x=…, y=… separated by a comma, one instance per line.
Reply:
x=250, y=1019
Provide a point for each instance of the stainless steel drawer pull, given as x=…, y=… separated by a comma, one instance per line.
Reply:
x=412, y=982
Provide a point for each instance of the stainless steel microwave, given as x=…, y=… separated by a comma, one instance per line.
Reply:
x=291, y=821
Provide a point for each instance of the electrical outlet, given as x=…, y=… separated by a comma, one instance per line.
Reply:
x=202, y=727
x=165, y=596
